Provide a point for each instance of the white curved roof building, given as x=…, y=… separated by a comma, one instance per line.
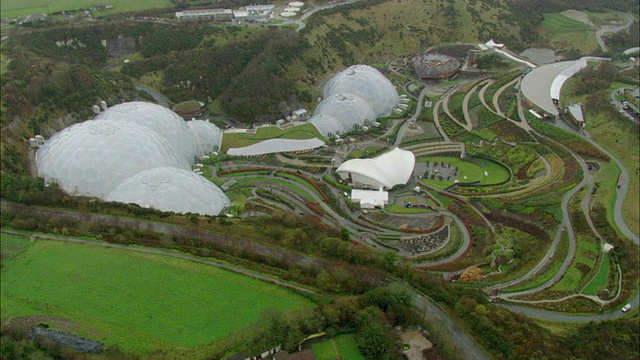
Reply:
x=161, y=120
x=367, y=82
x=385, y=171
x=171, y=189
x=341, y=113
x=355, y=94
x=208, y=136
x=92, y=157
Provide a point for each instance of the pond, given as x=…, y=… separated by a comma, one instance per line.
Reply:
x=541, y=55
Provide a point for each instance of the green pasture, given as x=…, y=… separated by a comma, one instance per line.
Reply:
x=601, y=280
x=235, y=140
x=399, y=209
x=15, y=8
x=548, y=271
x=560, y=24
x=468, y=171
x=136, y=300
x=340, y=347
x=12, y=245
x=586, y=254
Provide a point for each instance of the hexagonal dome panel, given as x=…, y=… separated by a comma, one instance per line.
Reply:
x=171, y=189
x=347, y=109
x=367, y=82
x=92, y=157
x=207, y=135
x=163, y=121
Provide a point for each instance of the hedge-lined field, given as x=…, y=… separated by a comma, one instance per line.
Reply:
x=138, y=301
x=13, y=8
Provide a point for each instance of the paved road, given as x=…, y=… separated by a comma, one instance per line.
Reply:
x=433, y=314
x=159, y=98
x=414, y=117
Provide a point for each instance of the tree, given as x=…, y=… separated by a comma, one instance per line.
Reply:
x=374, y=336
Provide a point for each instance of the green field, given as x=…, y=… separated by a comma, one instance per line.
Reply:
x=469, y=172
x=340, y=347
x=14, y=8
x=561, y=24
x=138, y=301
x=235, y=140
x=601, y=280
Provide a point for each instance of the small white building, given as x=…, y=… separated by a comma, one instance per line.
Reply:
x=369, y=199
x=205, y=14
x=300, y=114
x=240, y=15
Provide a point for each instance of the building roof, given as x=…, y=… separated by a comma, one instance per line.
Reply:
x=434, y=65
x=164, y=122
x=341, y=113
x=389, y=169
x=276, y=146
x=576, y=112
x=536, y=85
x=92, y=157
x=368, y=83
x=208, y=136
x=171, y=189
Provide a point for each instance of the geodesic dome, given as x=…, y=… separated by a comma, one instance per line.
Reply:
x=207, y=135
x=171, y=189
x=327, y=124
x=92, y=157
x=161, y=120
x=367, y=82
x=347, y=109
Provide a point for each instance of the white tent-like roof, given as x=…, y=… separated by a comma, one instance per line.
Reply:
x=385, y=171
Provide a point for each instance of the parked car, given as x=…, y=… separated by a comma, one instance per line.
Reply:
x=626, y=308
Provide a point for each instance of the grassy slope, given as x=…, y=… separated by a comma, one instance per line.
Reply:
x=620, y=137
x=138, y=301
x=405, y=27
x=345, y=344
x=564, y=33
x=13, y=8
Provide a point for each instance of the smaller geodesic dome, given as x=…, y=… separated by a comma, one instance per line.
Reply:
x=385, y=171
x=161, y=120
x=342, y=112
x=92, y=157
x=208, y=136
x=171, y=189
x=368, y=83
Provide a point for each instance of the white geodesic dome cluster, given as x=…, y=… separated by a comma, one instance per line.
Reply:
x=352, y=96
x=95, y=157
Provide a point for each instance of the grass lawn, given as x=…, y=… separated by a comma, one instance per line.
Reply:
x=496, y=173
x=560, y=24
x=235, y=140
x=399, y=209
x=13, y=8
x=601, y=280
x=340, y=347
x=296, y=189
x=135, y=300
